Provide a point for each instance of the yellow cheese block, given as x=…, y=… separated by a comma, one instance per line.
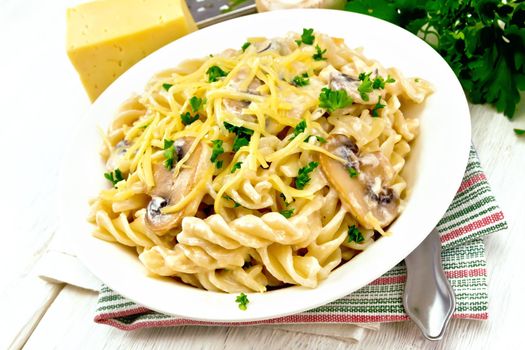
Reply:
x=106, y=37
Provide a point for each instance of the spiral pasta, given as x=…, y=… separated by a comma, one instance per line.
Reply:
x=259, y=168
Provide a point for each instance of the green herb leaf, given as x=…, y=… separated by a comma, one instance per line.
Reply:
x=352, y=171
x=187, y=119
x=303, y=177
x=287, y=213
x=354, y=235
x=334, y=99
x=235, y=204
x=307, y=37
x=217, y=150
x=366, y=86
x=170, y=154
x=196, y=103
x=243, y=137
x=320, y=139
x=242, y=300
x=299, y=129
x=167, y=86
x=377, y=107
x=318, y=55
x=236, y=166
x=482, y=40
x=114, y=177
x=519, y=131
x=245, y=46
x=301, y=80
x=214, y=73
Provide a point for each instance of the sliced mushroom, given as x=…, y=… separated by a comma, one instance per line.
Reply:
x=117, y=154
x=341, y=81
x=368, y=193
x=169, y=190
x=235, y=106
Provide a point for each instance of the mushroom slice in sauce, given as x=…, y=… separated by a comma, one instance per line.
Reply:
x=235, y=106
x=169, y=190
x=369, y=191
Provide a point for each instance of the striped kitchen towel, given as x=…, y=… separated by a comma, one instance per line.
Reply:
x=473, y=214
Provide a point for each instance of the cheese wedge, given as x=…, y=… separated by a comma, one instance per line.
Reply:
x=106, y=37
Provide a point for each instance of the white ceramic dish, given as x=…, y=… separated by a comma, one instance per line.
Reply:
x=434, y=170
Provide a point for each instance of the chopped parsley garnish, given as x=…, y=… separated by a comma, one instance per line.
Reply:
x=352, y=171
x=354, y=235
x=236, y=166
x=170, y=154
x=235, y=204
x=519, y=131
x=301, y=80
x=377, y=106
x=187, y=119
x=243, y=135
x=303, y=177
x=287, y=213
x=320, y=139
x=214, y=73
x=368, y=85
x=307, y=37
x=334, y=99
x=299, y=129
x=318, y=55
x=196, y=103
x=167, y=86
x=379, y=82
x=242, y=300
x=144, y=126
x=114, y=177
x=217, y=150
x=245, y=46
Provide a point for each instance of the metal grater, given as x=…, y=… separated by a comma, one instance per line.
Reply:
x=208, y=12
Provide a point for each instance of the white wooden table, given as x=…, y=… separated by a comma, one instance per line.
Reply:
x=41, y=100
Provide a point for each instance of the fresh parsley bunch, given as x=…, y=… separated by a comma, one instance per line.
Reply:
x=482, y=40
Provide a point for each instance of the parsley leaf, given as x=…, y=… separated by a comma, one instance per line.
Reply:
x=366, y=85
x=187, y=119
x=307, y=37
x=196, y=103
x=245, y=46
x=170, y=154
x=519, y=131
x=320, y=139
x=167, y=86
x=235, y=204
x=318, y=55
x=287, y=213
x=114, y=177
x=217, y=150
x=214, y=73
x=301, y=80
x=377, y=106
x=334, y=99
x=483, y=41
x=352, y=171
x=354, y=235
x=242, y=300
x=303, y=177
x=299, y=129
x=236, y=166
x=243, y=135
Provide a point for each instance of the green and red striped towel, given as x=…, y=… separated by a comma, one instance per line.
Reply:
x=473, y=214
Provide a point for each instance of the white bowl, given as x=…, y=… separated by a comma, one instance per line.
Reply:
x=434, y=170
